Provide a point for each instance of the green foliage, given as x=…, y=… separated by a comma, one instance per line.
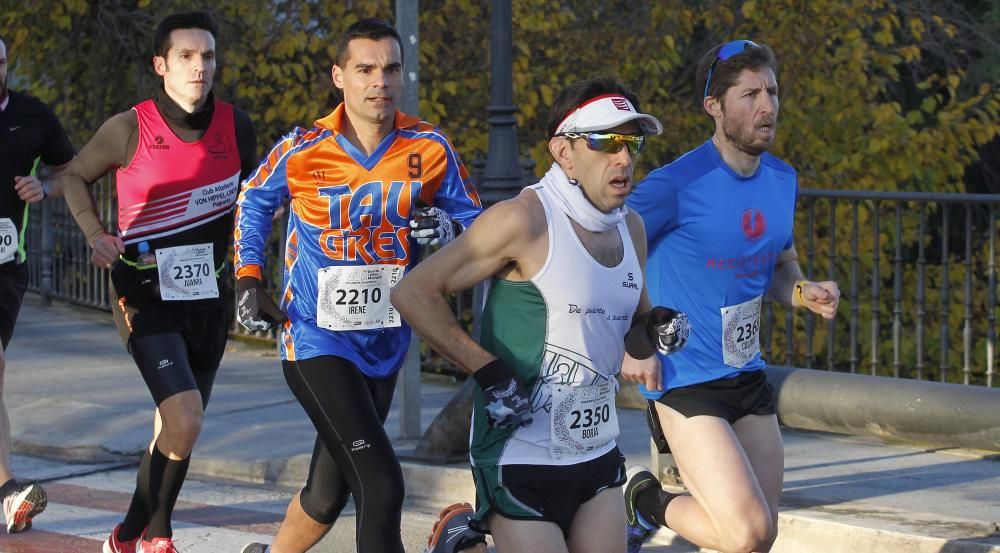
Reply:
x=851, y=112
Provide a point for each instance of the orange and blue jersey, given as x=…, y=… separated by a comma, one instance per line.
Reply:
x=347, y=209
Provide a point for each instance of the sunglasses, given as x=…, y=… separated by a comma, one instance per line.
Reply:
x=610, y=143
x=727, y=51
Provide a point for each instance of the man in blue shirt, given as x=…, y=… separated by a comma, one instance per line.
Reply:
x=719, y=224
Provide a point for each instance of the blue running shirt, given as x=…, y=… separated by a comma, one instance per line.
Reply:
x=714, y=237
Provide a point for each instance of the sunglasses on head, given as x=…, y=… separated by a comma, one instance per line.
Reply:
x=610, y=143
x=727, y=51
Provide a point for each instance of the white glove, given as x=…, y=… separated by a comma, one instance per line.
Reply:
x=431, y=226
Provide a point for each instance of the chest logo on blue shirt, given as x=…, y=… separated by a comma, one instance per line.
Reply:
x=753, y=223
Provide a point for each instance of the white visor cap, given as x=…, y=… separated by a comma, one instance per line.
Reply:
x=607, y=112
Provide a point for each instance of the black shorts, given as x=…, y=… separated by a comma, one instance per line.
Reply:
x=13, y=283
x=175, y=347
x=747, y=393
x=551, y=493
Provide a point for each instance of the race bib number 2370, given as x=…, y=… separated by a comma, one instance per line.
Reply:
x=187, y=272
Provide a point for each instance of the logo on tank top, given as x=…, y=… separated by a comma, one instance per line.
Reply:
x=218, y=145
x=158, y=144
x=753, y=223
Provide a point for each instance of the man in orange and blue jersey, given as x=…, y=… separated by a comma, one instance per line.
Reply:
x=364, y=184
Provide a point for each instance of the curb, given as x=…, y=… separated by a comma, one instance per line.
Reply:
x=845, y=528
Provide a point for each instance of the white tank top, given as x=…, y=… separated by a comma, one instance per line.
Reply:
x=587, y=310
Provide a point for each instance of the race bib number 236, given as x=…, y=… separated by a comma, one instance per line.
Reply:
x=741, y=332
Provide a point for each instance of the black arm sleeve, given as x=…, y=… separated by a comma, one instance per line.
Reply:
x=57, y=149
x=246, y=142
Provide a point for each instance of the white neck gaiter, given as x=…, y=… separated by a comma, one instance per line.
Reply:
x=575, y=205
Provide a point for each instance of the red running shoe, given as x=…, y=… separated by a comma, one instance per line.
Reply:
x=115, y=545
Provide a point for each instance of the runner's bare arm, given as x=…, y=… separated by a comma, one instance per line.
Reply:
x=789, y=287
x=494, y=241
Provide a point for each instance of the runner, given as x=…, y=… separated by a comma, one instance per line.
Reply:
x=28, y=130
x=178, y=159
x=355, y=181
x=567, y=259
x=719, y=222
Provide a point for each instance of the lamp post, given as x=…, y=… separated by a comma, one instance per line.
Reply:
x=408, y=384
x=501, y=176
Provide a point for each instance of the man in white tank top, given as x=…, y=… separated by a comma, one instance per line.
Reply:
x=566, y=259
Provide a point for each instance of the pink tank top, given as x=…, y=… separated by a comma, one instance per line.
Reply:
x=172, y=185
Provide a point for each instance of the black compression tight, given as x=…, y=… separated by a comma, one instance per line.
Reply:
x=353, y=455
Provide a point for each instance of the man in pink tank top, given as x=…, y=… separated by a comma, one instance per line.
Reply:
x=178, y=160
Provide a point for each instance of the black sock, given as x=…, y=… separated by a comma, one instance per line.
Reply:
x=652, y=502
x=137, y=516
x=166, y=494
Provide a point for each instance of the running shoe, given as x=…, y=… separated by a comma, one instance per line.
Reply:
x=115, y=545
x=23, y=504
x=254, y=548
x=451, y=531
x=636, y=527
x=156, y=545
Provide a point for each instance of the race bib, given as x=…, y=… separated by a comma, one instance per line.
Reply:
x=187, y=273
x=583, y=418
x=741, y=332
x=8, y=240
x=357, y=297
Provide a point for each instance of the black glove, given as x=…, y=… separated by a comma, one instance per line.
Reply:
x=431, y=226
x=661, y=329
x=255, y=309
x=507, y=402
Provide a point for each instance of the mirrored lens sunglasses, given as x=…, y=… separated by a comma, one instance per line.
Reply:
x=610, y=143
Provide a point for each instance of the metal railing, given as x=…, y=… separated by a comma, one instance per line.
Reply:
x=921, y=246
x=58, y=254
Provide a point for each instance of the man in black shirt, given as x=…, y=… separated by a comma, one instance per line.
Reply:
x=28, y=131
